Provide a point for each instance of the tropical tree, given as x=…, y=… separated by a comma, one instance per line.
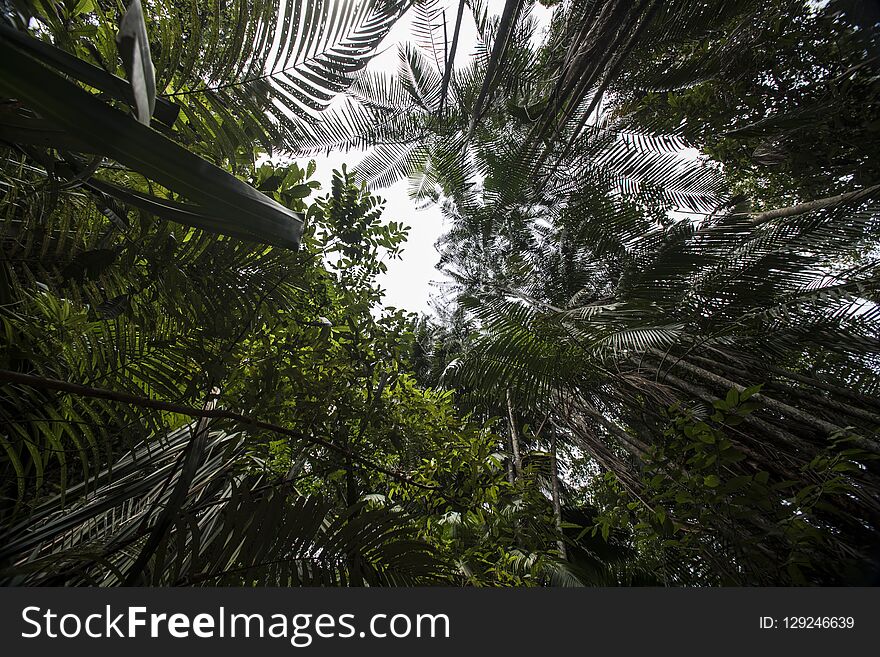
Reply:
x=188, y=399
x=656, y=365
x=785, y=99
x=611, y=274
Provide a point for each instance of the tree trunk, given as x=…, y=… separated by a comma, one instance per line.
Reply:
x=776, y=405
x=554, y=490
x=782, y=437
x=809, y=206
x=831, y=404
x=514, y=439
x=855, y=397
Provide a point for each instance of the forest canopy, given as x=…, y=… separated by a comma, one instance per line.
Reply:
x=655, y=361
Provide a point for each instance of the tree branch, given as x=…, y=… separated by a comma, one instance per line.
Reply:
x=809, y=206
x=145, y=402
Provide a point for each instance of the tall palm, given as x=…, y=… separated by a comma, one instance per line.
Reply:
x=597, y=305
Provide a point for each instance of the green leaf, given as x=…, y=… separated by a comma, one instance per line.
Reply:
x=83, y=7
x=165, y=111
x=706, y=437
x=751, y=390
x=732, y=398
x=712, y=481
x=300, y=191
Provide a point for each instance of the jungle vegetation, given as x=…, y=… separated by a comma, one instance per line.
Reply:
x=656, y=357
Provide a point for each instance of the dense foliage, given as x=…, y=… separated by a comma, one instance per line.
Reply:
x=657, y=358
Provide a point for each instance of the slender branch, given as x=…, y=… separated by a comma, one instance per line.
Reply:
x=145, y=402
x=810, y=206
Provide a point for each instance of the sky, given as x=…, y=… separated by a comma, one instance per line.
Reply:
x=412, y=280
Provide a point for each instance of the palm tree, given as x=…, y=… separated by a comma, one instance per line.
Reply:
x=613, y=274
x=601, y=338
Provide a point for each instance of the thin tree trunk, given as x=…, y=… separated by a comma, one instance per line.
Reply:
x=514, y=438
x=782, y=437
x=832, y=404
x=554, y=490
x=587, y=441
x=631, y=444
x=818, y=204
x=450, y=57
x=856, y=397
x=355, y=566
x=778, y=406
